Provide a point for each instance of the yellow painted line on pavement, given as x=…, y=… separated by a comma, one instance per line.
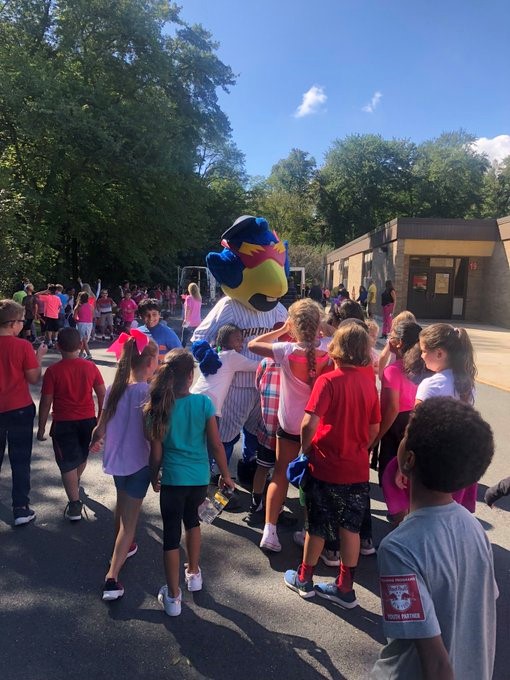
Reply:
x=492, y=384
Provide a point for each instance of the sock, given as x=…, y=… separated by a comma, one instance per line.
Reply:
x=345, y=579
x=305, y=572
x=271, y=528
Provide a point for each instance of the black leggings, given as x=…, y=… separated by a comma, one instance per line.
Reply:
x=391, y=441
x=179, y=504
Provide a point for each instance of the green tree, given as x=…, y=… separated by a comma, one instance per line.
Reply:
x=496, y=190
x=449, y=176
x=104, y=108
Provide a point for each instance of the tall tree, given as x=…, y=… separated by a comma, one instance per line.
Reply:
x=103, y=109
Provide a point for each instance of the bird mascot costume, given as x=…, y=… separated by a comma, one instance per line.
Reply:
x=252, y=270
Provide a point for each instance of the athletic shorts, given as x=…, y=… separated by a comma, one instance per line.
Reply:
x=51, y=325
x=71, y=440
x=27, y=324
x=281, y=434
x=331, y=507
x=179, y=505
x=84, y=329
x=266, y=458
x=134, y=485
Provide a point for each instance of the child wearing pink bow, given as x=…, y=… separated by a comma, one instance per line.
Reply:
x=126, y=450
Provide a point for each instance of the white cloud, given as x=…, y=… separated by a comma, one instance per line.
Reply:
x=496, y=148
x=312, y=102
x=370, y=108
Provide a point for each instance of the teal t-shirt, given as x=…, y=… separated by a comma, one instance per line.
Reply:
x=185, y=458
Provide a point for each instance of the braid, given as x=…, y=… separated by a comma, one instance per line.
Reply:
x=306, y=316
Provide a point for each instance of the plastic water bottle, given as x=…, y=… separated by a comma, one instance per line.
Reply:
x=211, y=507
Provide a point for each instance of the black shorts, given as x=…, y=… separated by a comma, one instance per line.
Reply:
x=391, y=441
x=331, y=507
x=179, y=505
x=27, y=324
x=51, y=325
x=266, y=458
x=281, y=434
x=71, y=440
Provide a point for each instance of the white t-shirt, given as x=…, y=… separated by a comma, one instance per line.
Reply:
x=294, y=393
x=217, y=386
x=437, y=578
x=441, y=384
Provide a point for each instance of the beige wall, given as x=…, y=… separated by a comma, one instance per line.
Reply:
x=355, y=273
x=415, y=246
x=496, y=285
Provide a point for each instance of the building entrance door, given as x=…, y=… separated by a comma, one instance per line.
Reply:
x=430, y=292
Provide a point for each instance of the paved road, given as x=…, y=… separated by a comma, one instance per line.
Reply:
x=244, y=623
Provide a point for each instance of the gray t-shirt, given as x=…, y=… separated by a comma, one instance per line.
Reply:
x=437, y=578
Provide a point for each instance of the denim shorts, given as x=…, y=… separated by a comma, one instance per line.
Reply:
x=135, y=485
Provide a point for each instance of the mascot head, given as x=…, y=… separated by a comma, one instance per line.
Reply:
x=254, y=264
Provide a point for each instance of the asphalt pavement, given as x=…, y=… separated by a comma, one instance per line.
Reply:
x=245, y=623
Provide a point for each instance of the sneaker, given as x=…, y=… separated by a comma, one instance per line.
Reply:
x=299, y=537
x=330, y=591
x=133, y=549
x=269, y=540
x=89, y=357
x=193, y=581
x=331, y=558
x=367, y=547
x=302, y=588
x=23, y=515
x=256, y=507
x=73, y=510
x=171, y=605
x=112, y=590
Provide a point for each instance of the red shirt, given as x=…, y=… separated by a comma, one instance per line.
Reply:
x=70, y=382
x=16, y=357
x=347, y=403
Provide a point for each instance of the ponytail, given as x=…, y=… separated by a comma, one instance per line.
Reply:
x=457, y=345
x=130, y=359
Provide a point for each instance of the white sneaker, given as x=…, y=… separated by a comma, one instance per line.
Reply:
x=171, y=605
x=193, y=581
x=299, y=537
x=367, y=547
x=331, y=558
x=269, y=540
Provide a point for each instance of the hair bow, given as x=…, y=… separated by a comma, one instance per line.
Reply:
x=140, y=338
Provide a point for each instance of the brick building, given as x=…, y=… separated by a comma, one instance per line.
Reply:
x=440, y=268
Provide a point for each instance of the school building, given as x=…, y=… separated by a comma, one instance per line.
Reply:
x=440, y=268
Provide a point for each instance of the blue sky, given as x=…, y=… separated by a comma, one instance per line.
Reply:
x=399, y=68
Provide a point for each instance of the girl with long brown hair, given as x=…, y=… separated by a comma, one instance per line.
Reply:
x=182, y=429
x=126, y=450
x=301, y=362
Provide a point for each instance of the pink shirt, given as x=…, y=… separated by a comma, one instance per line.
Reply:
x=128, y=309
x=52, y=305
x=394, y=378
x=192, y=311
x=84, y=313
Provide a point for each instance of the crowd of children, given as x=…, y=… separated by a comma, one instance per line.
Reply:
x=319, y=397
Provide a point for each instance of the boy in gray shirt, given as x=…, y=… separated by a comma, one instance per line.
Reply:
x=436, y=571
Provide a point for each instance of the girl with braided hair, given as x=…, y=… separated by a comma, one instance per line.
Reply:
x=301, y=362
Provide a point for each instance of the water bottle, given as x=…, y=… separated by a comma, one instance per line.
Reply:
x=211, y=507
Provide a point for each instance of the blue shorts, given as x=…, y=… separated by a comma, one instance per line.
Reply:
x=135, y=485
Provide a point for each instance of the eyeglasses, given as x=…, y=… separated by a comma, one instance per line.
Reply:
x=13, y=321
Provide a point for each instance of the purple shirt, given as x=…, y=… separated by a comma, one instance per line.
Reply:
x=126, y=450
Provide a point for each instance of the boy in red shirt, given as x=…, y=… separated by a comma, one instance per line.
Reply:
x=128, y=308
x=68, y=384
x=341, y=420
x=20, y=367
